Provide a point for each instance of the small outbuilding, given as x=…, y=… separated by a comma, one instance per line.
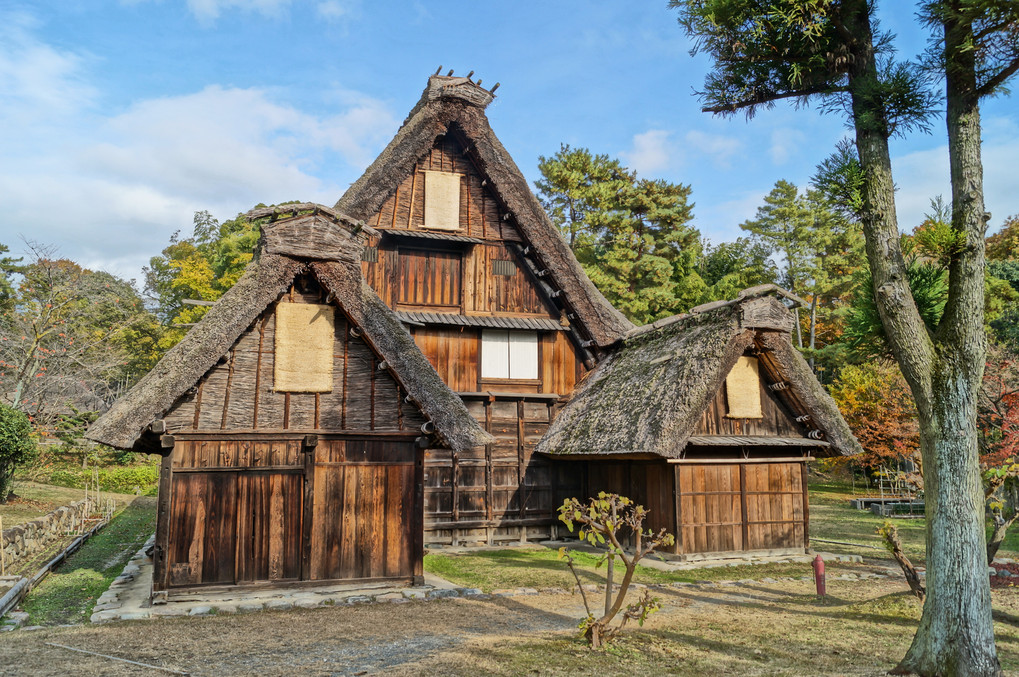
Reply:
x=292, y=421
x=708, y=419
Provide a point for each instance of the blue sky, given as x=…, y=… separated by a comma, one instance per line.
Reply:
x=120, y=118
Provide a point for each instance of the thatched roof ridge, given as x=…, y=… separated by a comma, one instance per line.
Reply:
x=387, y=334
x=265, y=278
x=435, y=115
x=648, y=396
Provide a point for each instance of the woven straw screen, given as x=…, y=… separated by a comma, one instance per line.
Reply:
x=743, y=389
x=304, y=348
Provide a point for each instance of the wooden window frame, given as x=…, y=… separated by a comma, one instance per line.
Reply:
x=509, y=379
x=397, y=273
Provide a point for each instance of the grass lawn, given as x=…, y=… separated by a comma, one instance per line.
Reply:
x=756, y=629
x=539, y=567
x=832, y=518
x=35, y=500
x=68, y=594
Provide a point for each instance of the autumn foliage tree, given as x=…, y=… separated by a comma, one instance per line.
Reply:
x=878, y=406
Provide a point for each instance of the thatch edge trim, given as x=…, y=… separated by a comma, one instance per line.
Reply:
x=187, y=362
x=808, y=389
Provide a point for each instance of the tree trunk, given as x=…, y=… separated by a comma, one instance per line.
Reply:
x=956, y=633
x=955, y=636
x=813, y=328
x=1001, y=526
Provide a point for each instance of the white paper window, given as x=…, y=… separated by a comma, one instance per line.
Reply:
x=509, y=354
x=442, y=200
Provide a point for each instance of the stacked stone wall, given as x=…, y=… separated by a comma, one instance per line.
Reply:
x=27, y=539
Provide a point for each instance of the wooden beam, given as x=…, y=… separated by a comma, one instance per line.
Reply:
x=709, y=461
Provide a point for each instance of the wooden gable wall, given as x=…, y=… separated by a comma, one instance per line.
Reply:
x=435, y=275
x=778, y=419
x=237, y=395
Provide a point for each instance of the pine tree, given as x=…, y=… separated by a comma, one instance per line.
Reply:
x=832, y=52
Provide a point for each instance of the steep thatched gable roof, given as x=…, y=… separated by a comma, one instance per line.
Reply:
x=648, y=396
x=266, y=278
x=458, y=104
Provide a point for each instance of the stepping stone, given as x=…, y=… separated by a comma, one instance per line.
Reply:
x=278, y=605
x=200, y=611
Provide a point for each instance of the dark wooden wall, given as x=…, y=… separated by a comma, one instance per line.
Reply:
x=248, y=509
x=502, y=492
x=244, y=499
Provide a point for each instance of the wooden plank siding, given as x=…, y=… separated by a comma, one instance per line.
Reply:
x=243, y=501
x=501, y=492
x=713, y=507
x=778, y=420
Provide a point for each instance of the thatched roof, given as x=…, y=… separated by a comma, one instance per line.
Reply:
x=266, y=278
x=646, y=399
x=457, y=105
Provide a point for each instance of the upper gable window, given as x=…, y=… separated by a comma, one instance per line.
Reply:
x=442, y=200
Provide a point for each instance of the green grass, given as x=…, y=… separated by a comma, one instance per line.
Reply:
x=541, y=568
x=35, y=500
x=68, y=594
x=832, y=518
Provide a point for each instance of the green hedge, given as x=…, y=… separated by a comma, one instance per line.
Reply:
x=118, y=479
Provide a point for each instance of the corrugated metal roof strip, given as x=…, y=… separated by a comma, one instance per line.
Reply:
x=428, y=235
x=489, y=321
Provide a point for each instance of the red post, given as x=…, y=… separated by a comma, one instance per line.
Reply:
x=819, y=575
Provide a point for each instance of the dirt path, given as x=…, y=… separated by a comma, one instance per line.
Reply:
x=749, y=629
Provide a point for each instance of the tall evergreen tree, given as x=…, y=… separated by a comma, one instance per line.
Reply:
x=832, y=51
x=632, y=235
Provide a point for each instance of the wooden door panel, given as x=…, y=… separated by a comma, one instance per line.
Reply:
x=362, y=521
x=202, y=530
x=269, y=519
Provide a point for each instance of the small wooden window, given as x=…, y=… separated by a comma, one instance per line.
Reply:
x=429, y=277
x=304, y=348
x=506, y=267
x=442, y=200
x=743, y=389
x=370, y=254
x=509, y=354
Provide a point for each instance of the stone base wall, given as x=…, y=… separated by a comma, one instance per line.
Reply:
x=29, y=538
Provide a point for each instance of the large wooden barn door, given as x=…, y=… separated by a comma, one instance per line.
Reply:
x=726, y=507
x=364, y=523
x=235, y=512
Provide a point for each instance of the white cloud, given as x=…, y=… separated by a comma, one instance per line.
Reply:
x=110, y=190
x=333, y=10
x=718, y=147
x=785, y=142
x=650, y=152
x=207, y=11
